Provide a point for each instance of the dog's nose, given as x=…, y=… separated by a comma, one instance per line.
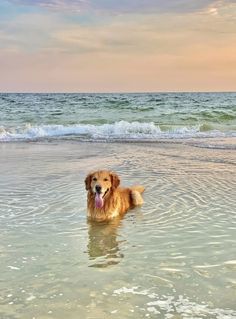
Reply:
x=98, y=188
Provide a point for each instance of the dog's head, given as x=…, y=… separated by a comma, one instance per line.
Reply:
x=101, y=183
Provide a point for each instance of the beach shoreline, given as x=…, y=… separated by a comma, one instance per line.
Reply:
x=228, y=142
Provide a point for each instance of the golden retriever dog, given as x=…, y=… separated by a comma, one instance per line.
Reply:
x=106, y=200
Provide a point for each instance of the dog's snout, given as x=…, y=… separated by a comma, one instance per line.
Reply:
x=98, y=188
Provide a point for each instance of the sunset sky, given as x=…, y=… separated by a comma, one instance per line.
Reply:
x=117, y=45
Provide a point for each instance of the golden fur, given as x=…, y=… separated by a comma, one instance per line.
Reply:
x=115, y=200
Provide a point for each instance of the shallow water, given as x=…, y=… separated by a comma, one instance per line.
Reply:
x=172, y=258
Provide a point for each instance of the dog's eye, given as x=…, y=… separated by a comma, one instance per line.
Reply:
x=94, y=179
x=105, y=179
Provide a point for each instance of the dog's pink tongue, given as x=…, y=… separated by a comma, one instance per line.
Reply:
x=98, y=200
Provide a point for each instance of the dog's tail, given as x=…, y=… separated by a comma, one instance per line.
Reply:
x=138, y=188
x=136, y=192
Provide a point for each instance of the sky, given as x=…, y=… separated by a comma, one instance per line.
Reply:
x=117, y=45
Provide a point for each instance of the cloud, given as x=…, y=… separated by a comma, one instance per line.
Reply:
x=28, y=32
x=130, y=34
x=125, y=6
x=144, y=35
x=56, y=5
x=213, y=11
x=44, y=47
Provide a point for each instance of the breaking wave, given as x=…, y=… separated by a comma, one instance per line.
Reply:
x=121, y=130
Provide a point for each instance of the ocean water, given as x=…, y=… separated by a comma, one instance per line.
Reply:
x=117, y=116
x=174, y=257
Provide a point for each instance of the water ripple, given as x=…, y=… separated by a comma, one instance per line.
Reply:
x=180, y=243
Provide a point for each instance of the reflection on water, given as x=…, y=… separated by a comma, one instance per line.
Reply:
x=103, y=246
x=174, y=257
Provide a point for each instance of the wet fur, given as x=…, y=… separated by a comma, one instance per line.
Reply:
x=117, y=200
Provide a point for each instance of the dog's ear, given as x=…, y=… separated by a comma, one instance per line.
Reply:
x=87, y=181
x=115, y=180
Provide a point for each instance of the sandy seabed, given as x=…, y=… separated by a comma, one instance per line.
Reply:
x=172, y=258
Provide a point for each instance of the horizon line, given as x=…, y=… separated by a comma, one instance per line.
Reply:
x=111, y=92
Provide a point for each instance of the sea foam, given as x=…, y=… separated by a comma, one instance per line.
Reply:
x=121, y=130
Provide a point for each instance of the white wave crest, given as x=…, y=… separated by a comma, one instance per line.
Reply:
x=119, y=130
